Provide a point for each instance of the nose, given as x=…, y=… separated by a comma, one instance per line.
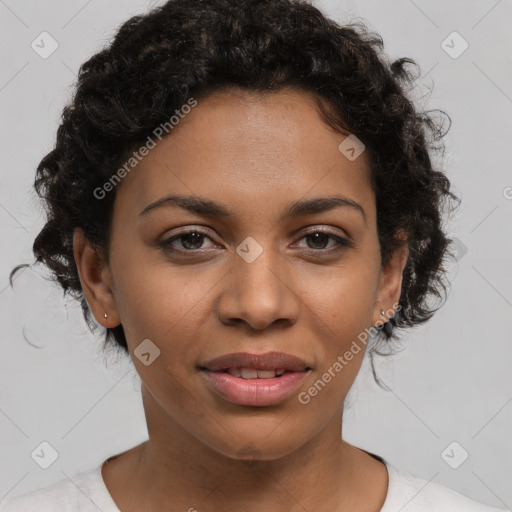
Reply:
x=259, y=293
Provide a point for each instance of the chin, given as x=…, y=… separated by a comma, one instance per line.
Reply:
x=257, y=448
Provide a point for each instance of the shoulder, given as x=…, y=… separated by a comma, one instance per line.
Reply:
x=409, y=493
x=53, y=497
x=84, y=492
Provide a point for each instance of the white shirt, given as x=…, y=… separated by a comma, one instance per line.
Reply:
x=87, y=492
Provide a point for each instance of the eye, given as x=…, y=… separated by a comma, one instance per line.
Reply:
x=318, y=241
x=188, y=241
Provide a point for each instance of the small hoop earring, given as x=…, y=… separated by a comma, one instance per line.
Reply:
x=382, y=313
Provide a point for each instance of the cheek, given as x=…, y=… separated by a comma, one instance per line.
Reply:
x=343, y=297
x=159, y=301
x=340, y=313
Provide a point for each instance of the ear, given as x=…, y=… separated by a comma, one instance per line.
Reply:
x=390, y=286
x=96, y=280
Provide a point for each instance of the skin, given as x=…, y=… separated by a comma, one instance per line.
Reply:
x=255, y=154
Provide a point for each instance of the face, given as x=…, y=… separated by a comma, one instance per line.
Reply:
x=240, y=270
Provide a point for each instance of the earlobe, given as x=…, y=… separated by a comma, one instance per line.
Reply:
x=95, y=279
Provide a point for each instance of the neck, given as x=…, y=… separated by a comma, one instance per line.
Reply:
x=174, y=470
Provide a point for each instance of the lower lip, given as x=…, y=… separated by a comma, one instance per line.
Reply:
x=259, y=392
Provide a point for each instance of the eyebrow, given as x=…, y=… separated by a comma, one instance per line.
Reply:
x=208, y=208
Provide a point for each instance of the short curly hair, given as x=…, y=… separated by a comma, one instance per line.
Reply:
x=186, y=48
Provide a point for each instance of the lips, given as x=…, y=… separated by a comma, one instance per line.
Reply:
x=255, y=379
x=244, y=360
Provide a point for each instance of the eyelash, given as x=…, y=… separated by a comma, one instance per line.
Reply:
x=342, y=243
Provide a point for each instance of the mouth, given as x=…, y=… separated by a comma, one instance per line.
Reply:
x=244, y=364
x=255, y=379
x=253, y=373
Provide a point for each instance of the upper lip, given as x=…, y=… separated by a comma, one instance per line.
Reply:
x=266, y=361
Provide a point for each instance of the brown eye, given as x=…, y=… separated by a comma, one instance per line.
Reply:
x=192, y=240
x=318, y=241
x=189, y=241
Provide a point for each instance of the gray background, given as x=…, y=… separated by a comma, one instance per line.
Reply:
x=451, y=383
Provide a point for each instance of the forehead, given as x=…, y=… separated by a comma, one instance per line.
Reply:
x=256, y=146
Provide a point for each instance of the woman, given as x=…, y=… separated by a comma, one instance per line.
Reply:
x=242, y=194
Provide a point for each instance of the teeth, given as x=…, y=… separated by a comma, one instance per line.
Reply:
x=251, y=373
x=266, y=374
x=247, y=373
